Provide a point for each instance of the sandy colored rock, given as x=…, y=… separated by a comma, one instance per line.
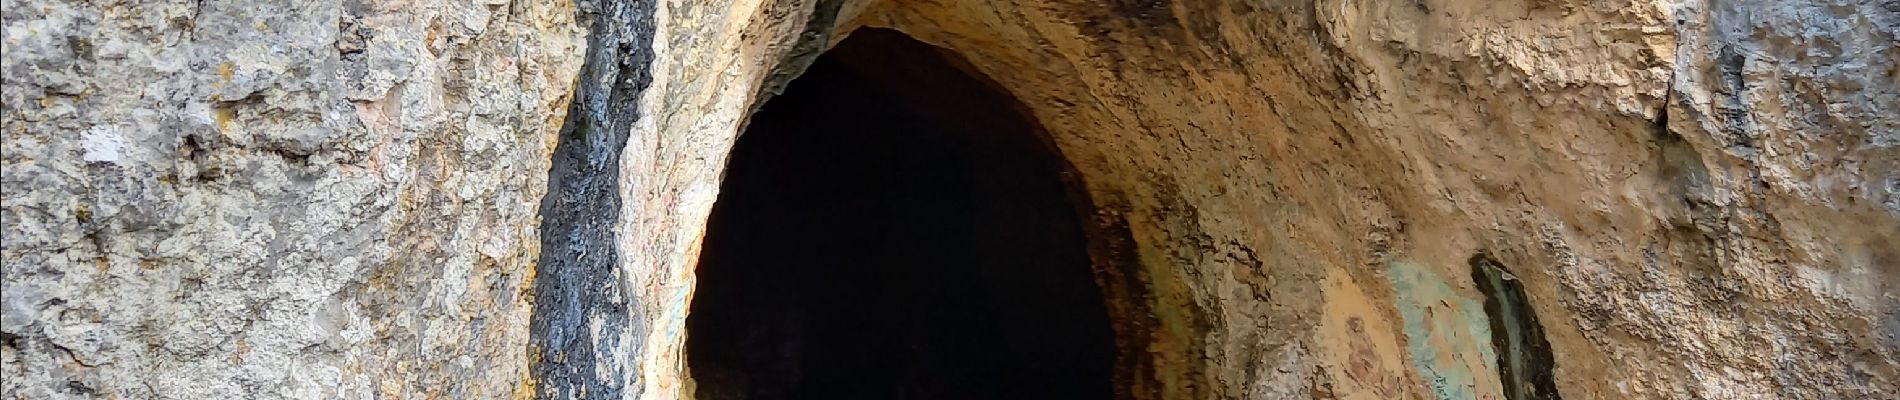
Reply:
x=298, y=199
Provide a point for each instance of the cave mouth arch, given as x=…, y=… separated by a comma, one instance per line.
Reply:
x=894, y=227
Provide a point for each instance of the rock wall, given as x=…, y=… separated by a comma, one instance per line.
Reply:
x=276, y=199
x=292, y=199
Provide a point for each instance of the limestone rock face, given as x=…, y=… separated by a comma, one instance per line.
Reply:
x=276, y=199
x=1315, y=198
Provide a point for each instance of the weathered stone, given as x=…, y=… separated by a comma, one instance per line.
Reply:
x=281, y=199
x=299, y=199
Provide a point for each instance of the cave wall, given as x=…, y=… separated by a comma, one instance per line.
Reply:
x=275, y=199
x=299, y=199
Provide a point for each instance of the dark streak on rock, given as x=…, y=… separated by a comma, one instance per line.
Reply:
x=1525, y=365
x=1735, y=108
x=811, y=43
x=575, y=282
x=1125, y=290
x=1154, y=13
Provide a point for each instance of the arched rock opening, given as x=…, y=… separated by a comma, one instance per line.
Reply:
x=895, y=228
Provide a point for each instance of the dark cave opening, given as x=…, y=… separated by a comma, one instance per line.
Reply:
x=893, y=227
x=1525, y=365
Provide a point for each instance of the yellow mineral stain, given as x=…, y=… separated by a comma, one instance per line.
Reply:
x=525, y=390
x=223, y=115
x=1360, y=351
x=243, y=347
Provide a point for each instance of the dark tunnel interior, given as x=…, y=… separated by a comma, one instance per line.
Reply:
x=892, y=227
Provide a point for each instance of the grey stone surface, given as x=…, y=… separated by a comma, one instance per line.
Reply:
x=275, y=199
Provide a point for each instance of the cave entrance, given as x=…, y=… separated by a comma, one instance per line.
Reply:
x=893, y=227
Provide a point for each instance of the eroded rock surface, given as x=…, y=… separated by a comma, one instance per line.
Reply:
x=301, y=199
x=276, y=199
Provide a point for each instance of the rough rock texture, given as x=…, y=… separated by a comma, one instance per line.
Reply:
x=1698, y=199
x=276, y=199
